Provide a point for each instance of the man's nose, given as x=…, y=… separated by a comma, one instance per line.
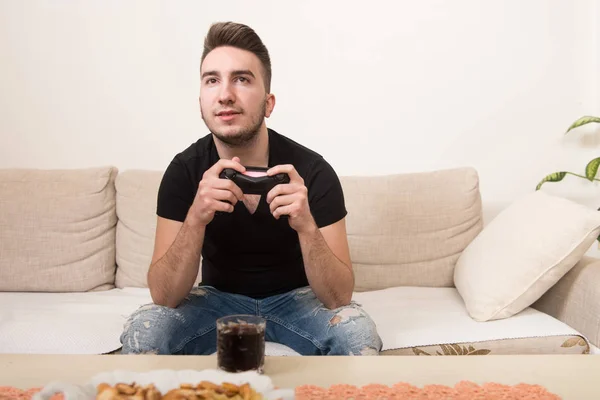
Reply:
x=226, y=94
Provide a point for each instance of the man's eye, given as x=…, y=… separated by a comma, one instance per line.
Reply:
x=242, y=79
x=211, y=80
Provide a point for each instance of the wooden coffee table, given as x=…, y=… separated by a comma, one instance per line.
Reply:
x=569, y=376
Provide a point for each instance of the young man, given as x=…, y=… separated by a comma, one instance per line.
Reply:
x=294, y=271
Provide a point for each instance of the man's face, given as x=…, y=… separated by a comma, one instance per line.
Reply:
x=233, y=100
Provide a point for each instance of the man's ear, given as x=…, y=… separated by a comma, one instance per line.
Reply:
x=270, y=104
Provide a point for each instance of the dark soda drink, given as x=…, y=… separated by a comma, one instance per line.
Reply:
x=241, y=343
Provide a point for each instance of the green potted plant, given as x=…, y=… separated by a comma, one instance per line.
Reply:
x=591, y=169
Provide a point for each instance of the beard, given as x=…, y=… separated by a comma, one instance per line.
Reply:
x=243, y=135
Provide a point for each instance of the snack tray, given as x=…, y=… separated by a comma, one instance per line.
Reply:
x=164, y=380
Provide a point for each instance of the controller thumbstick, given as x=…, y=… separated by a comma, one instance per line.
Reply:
x=280, y=177
x=228, y=173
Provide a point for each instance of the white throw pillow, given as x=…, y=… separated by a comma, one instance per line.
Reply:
x=522, y=253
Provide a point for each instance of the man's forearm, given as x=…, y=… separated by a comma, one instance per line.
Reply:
x=172, y=277
x=331, y=279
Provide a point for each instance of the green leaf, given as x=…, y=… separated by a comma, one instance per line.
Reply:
x=553, y=177
x=583, y=121
x=592, y=169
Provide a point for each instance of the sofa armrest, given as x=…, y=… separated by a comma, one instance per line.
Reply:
x=575, y=299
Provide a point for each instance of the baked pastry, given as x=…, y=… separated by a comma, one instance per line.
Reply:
x=124, y=391
x=203, y=391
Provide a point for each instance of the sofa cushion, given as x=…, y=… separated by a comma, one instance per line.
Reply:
x=426, y=318
x=137, y=193
x=409, y=229
x=407, y=318
x=57, y=229
x=66, y=323
x=522, y=253
x=136, y=209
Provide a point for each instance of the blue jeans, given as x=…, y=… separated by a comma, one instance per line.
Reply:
x=296, y=319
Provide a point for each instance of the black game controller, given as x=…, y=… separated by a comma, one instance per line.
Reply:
x=257, y=182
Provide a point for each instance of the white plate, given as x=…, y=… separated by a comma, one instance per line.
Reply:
x=165, y=380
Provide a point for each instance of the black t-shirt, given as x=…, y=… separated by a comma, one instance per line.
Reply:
x=252, y=254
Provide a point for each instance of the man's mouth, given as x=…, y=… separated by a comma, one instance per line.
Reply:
x=227, y=115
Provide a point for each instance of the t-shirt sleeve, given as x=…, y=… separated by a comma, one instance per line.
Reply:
x=325, y=194
x=176, y=192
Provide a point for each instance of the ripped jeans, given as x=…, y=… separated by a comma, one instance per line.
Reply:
x=296, y=319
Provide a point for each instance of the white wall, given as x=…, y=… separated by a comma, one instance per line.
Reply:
x=376, y=87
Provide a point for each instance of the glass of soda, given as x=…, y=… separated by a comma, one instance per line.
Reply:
x=241, y=343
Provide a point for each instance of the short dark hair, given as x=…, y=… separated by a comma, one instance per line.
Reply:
x=242, y=37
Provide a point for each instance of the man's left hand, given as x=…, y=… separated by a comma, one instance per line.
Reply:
x=291, y=199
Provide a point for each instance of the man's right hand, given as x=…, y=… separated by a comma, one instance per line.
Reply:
x=214, y=193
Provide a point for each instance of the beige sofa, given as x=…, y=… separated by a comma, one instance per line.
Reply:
x=75, y=246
